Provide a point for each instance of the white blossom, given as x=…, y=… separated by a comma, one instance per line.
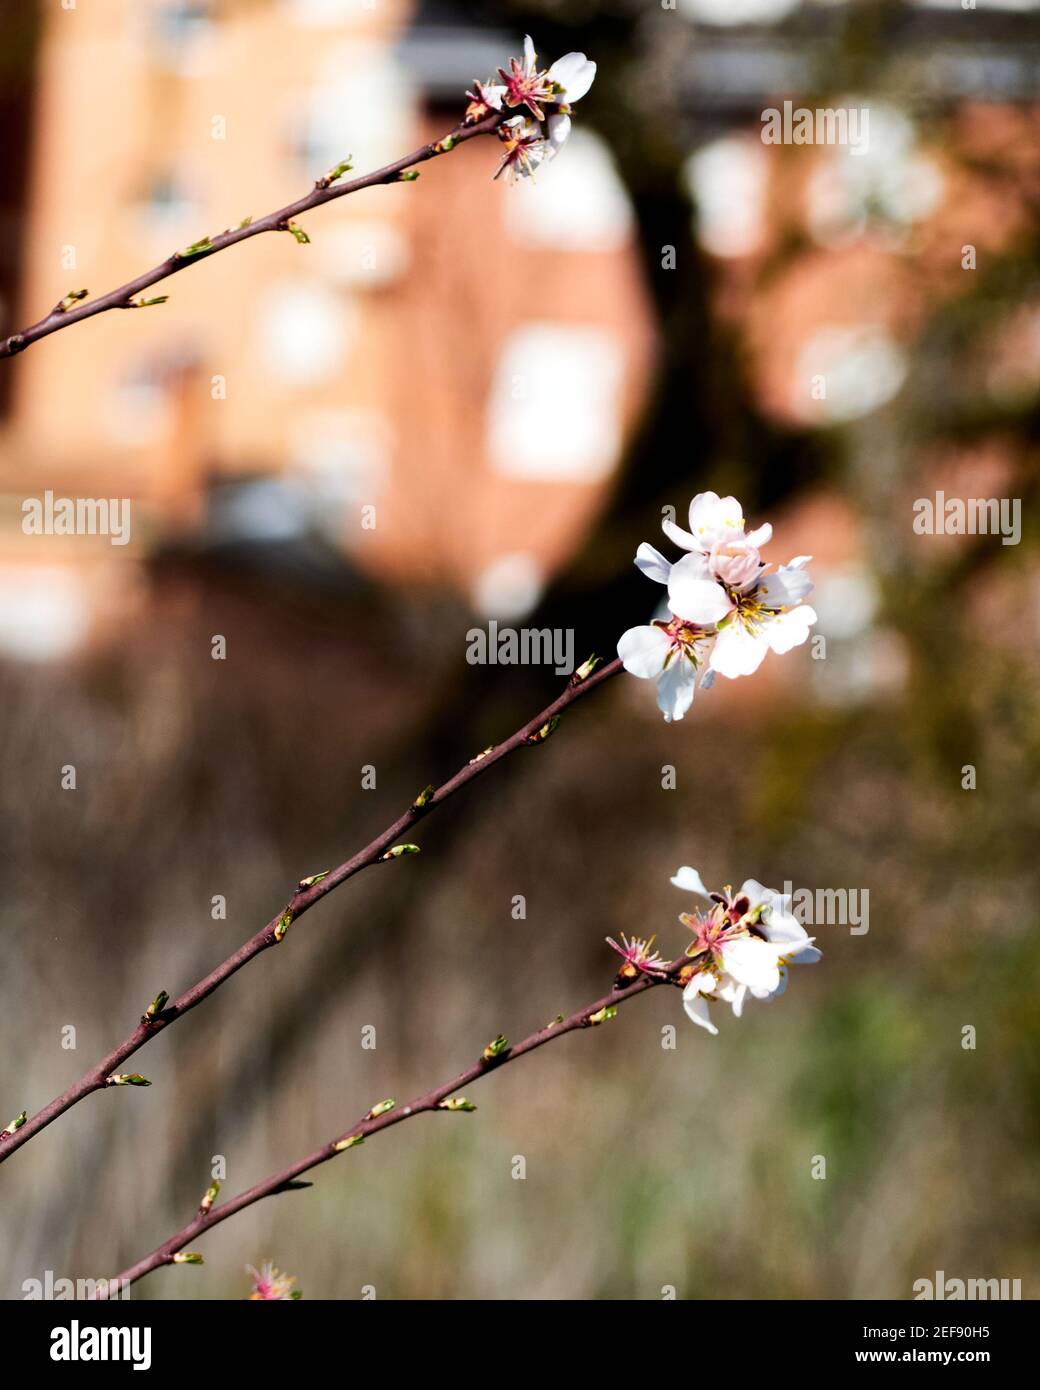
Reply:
x=743, y=945
x=725, y=604
x=546, y=95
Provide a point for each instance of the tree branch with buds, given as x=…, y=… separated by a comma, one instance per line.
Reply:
x=631, y=981
x=162, y=1012
x=74, y=307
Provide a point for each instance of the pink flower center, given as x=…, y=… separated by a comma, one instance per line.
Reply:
x=684, y=637
x=525, y=88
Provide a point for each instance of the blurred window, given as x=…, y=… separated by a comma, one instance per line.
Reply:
x=182, y=32
x=359, y=105
x=340, y=458
x=139, y=411
x=861, y=366
x=727, y=180
x=553, y=412
x=43, y=612
x=509, y=587
x=304, y=331
x=168, y=206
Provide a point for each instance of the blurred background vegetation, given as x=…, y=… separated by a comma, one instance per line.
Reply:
x=645, y=1167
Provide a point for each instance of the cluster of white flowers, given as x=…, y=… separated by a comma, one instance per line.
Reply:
x=743, y=944
x=542, y=98
x=726, y=611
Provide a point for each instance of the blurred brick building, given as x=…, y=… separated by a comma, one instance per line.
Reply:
x=462, y=356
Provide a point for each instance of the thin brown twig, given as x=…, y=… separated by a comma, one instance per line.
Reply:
x=67, y=312
x=306, y=894
x=590, y=1016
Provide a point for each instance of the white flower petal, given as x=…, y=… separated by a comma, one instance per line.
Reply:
x=643, y=649
x=678, y=536
x=703, y=509
x=652, y=563
x=559, y=129
x=761, y=536
x=696, y=1007
x=703, y=982
x=676, y=687
x=757, y=893
x=808, y=955
x=782, y=927
x=693, y=596
x=737, y=652
x=733, y=994
x=785, y=588
x=714, y=518
x=575, y=74
x=530, y=56
x=691, y=880
x=789, y=630
x=752, y=962
x=699, y=601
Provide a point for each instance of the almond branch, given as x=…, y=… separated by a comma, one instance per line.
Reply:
x=70, y=309
x=385, y=847
x=497, y=1054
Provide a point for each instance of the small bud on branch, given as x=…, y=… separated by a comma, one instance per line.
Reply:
x=157, y=1005
x=602, y=1016
x=209, y=1197
x=197, y=248
x=298, y=232
x=14, y=1124
x=546, y=731
x=343, y=167
x=312, y=880
x=495, y=1048
x=586, y=669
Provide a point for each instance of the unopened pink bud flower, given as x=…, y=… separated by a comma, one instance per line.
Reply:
x=734, y=562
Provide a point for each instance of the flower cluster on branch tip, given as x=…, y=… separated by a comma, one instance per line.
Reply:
x=743, y=944
x=725, y=610
x=542, y=99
